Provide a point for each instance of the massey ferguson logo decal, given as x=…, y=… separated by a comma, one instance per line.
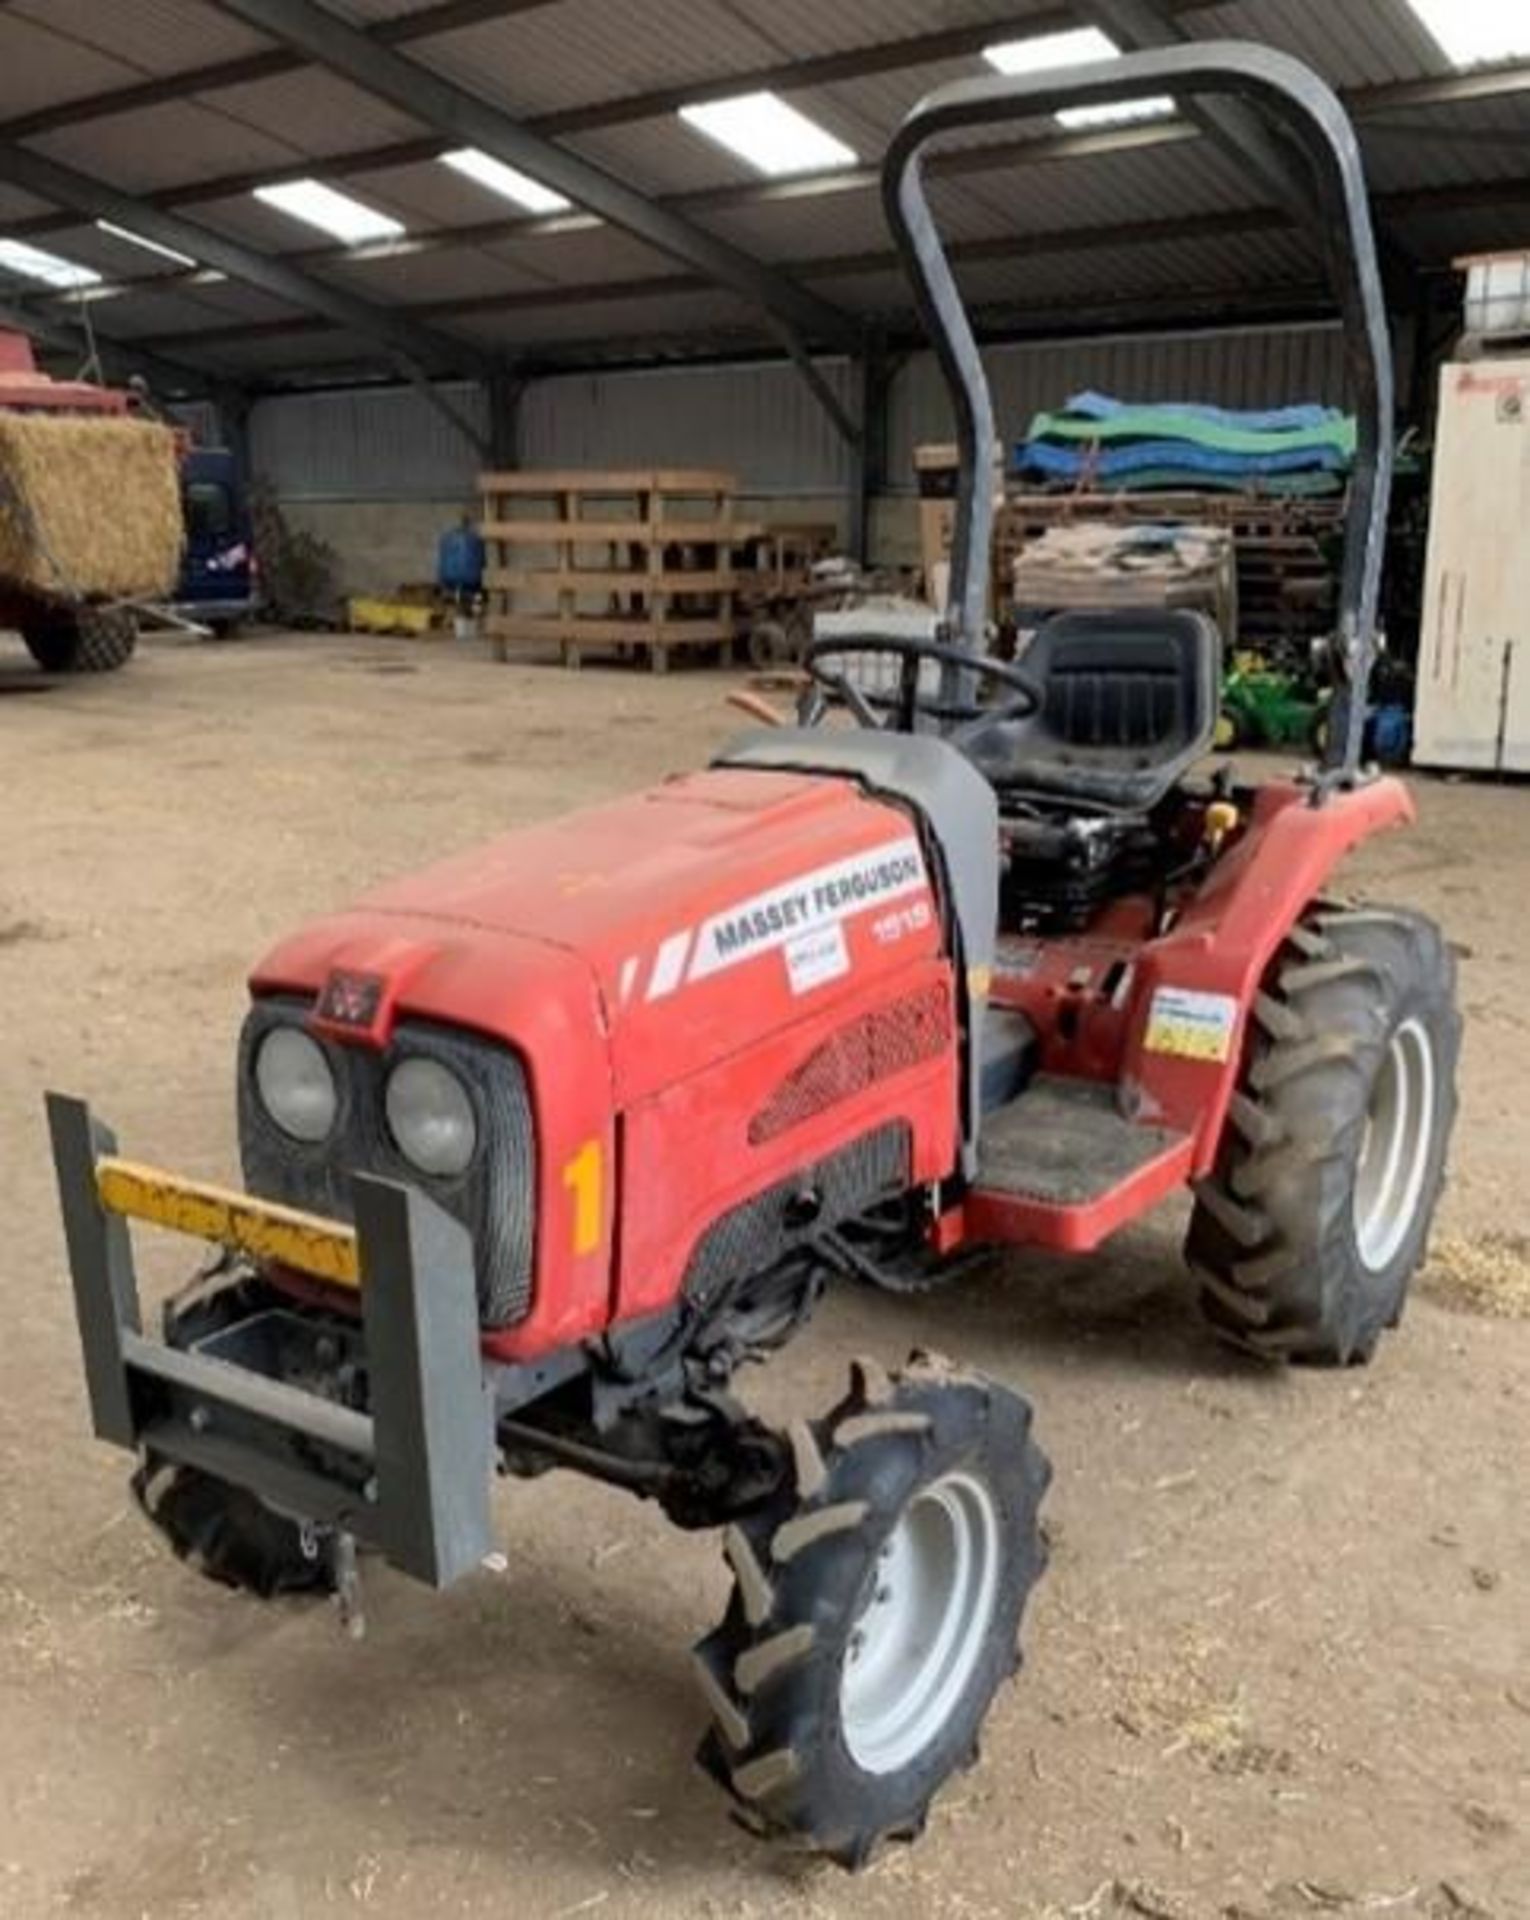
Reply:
x=350, y=999
x=768, y=921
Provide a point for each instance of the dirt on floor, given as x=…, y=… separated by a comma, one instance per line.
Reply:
x=1280, y=1666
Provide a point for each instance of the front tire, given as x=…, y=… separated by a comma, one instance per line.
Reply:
x=1308, y=1235
x=224, y=1531
x=876, y=1610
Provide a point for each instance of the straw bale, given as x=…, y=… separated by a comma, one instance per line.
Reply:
x=88, y=506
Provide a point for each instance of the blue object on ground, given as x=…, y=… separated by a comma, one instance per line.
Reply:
x=460, y=560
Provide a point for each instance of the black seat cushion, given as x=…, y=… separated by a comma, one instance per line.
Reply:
x=1129, y=702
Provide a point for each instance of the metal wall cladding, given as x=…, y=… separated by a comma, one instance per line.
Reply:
x=200, y=419
x=760, y=422
x=1238, y=367
x=367, y=444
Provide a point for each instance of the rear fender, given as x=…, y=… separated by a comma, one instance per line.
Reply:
x=1194, y=990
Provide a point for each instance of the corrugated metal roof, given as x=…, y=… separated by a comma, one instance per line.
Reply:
x=446, y=273
x=1350, y=45
x=39, y=68
x=144, y=151
x=313, y=112
x=586, y=50
x=615, y=321
x=571, y=53
x=150, y=36
x=593, y=255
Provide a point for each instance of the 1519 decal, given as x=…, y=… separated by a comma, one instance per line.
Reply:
x=903, y=920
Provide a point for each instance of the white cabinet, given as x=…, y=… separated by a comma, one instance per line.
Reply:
x=1473, y=703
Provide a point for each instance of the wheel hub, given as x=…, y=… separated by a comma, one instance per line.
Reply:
x=923, y=1625
x=1394, y=1153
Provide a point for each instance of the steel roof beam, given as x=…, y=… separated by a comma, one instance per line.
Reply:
x=413, y=348
x=955, y=163
x=1238, y=129
x=464, y=117
x=1223, y=224
x=787, y=76
x=1242, y=220
x=1364, y=103
x=445, y=17
x=167, y=374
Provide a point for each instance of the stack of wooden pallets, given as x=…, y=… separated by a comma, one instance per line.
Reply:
x=1287, y=548
x=626, y=562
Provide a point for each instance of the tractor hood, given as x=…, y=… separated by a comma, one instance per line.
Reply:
x=688, y=920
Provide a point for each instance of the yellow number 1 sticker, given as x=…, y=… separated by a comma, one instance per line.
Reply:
x=582, y=1177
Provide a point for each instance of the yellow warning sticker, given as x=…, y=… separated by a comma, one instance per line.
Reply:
x=1192, y=1026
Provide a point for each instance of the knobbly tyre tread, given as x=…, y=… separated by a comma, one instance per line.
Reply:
x=770, y=1672
x=1272, y=1239
x=83, y=640
x=227, y=1534
x=108, y=639
x=221, y=1530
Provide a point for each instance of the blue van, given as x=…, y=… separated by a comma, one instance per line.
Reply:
x=219, y=583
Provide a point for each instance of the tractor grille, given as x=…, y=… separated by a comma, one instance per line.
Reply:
x=756, y=1235
x=495, y=1199
x=910, y=1030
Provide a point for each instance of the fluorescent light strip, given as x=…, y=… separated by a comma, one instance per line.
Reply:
x=50, y=269
x=1076, y=48
x=1475, y=33
x=150, y=246
x=332, y=212
x=1047, y=50
x=773, y=137
x=508, y=182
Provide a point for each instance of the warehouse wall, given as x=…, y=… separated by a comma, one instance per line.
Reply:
x=375, y=472
x=378, y=473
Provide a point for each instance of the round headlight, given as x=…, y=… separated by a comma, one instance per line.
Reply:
x=296, y=1085
x=431, y=1117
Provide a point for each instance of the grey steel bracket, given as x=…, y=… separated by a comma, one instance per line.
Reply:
x=412, y=1476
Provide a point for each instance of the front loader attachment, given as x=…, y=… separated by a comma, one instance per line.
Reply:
x=409, y=1476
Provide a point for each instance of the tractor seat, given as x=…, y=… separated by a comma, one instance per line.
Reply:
x=1129, y=703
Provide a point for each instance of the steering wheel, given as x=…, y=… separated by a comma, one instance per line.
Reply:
x=898, y=711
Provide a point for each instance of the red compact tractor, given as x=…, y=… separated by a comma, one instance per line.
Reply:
x=542, y=1144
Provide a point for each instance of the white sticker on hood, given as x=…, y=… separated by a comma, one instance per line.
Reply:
x=825, y=897
x=813, y=959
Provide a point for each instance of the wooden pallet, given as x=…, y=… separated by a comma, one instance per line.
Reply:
x=1286, y=581
x=630, y=561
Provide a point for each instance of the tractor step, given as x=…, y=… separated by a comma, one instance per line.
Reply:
x=1061, y=1165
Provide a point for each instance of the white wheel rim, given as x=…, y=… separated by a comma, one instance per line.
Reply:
x=924, y=1625
x=1394, y=1154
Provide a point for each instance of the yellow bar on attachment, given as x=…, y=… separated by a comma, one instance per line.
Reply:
x=324, y=1249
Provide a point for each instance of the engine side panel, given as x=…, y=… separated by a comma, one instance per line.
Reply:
x=694, y=1153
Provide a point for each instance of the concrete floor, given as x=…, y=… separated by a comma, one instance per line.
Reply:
x=1281, y=1664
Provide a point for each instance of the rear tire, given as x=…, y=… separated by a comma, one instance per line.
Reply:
x=876, y=1610
x=1307, y=1236
x=83, y=640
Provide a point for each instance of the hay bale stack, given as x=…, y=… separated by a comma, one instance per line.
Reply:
x=88, y=506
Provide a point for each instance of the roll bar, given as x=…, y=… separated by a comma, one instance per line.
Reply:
x=1302, y=106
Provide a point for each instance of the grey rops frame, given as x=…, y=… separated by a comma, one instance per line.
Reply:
x=1305, y=109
